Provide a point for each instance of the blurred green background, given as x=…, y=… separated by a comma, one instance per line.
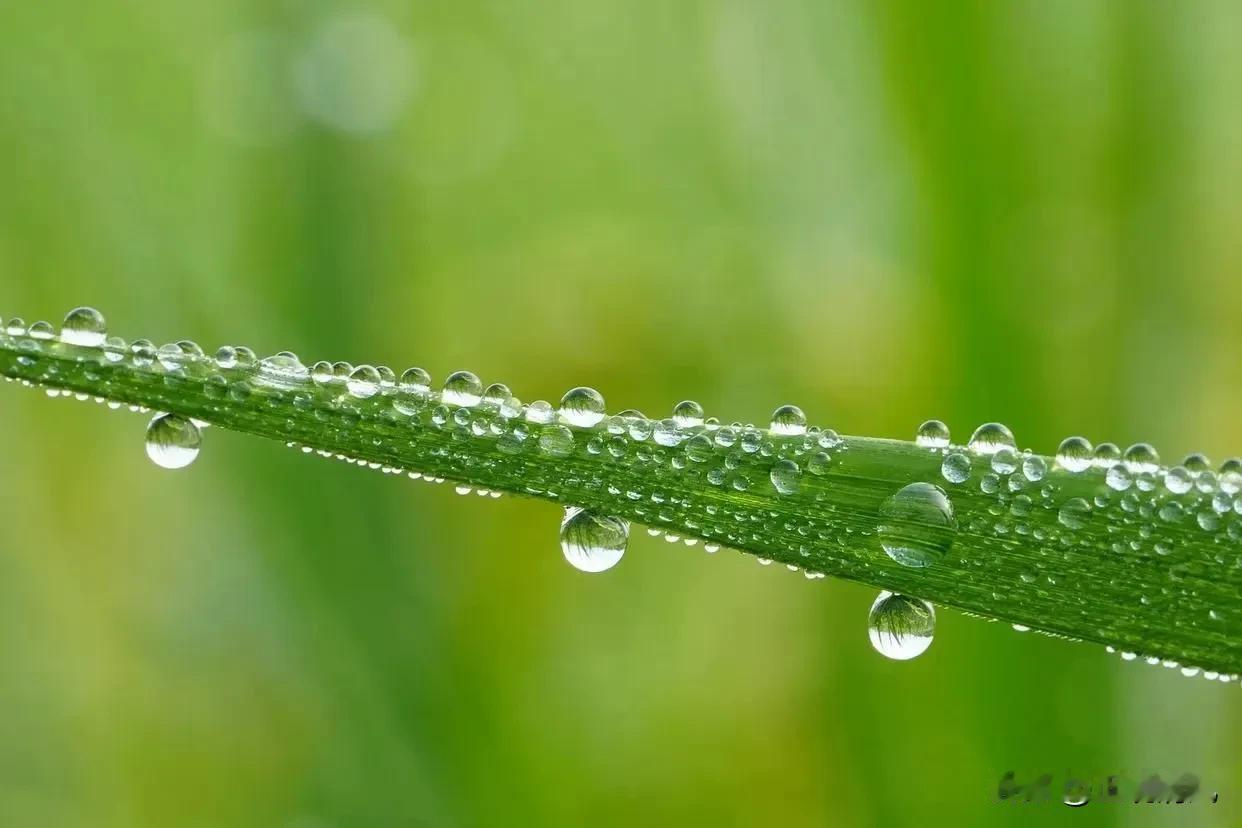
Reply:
x=883, y=212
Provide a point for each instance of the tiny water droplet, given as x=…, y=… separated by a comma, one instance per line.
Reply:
x=1075, y=454
x=173, y=442
x=990, y=438
x=901, y=627
x=917, y=526
x=85, y=327
x=591, y=542
x=462, y=388
x=786, y=476
x=583, y=407
x=932, y=434
x=788, y=421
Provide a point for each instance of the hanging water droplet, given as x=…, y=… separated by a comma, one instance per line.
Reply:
x=956, y=468
x=1141, y=458
x=901, y=627
x=788, y=421
x=173, y=442
x=591, y=542
x=932, y=434
x=917, y=526
x=1074, y=513
x=582, y=407
x=364, y=382
x=990, y=438
x=85, y=327
x=688, y=414
x=786, y=476
x=1075, y=454
x=462, y=388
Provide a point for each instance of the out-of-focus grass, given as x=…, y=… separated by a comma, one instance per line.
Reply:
x=882, y=213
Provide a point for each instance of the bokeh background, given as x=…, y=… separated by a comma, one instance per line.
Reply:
x=884, y=212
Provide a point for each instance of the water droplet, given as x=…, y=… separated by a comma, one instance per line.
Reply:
x=666, y=433
x=699, y=448
x=462, y=388
x=917, y=526
x=1074, y=513
x=173, y=442
x=956, y=468
x=364, y=382
x=16, y=327
x=1118, y=478
x=495, y=395
x=590, y=542
x=786, y=476
x=1177, y=480
x=990, y=438
x=582, y=407
x=41, y=331
x=819, y=463
x=688, y=414
x=788, y=421
x=1231, y=476
x=557, y=440
x=932, y=434
x=1005, y=461
x=282, y=370
x=901, y=627
x=1034, y=468
x=1075, y=454
x=85, y=327
x=1141, y=458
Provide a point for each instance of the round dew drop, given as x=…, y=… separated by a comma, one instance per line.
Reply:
x=786, y=476
x=582, y=407
x=364, y=382
x=688, y=414
x=990, y=438
x=788, y=421
x=932, y=434
x=462, y=388
x=591, y=542
x=917, y=526
x=1141, y=458
x=173, y=442
x=956, y=468
x=1075, y=454
x=85, y=327
x=1074, y=513
x=901, y=627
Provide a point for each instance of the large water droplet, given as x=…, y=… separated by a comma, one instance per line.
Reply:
x=85, y=327
x=932, y=434
x=1075, y=454
x=582, y=407
x=364, y=382
x=788, y=421
x=462, y=388
x=917, y=526
x=901, y=627
x=688, y=414
x=173, y=442
x=786, y=476
x=990, y=438
x=591, y=542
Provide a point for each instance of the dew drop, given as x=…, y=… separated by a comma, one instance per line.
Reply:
x=1005, y=461
x=582, y=407
x=917, y=526
x=786, y=476
x=688, y=414
x=956, y=468
x=364, y=382
x=557, y=440
x=666, y=434
x=932, y=434
x=591, y=542
x=990, y=438
x=1141, y=458
x=1075, y=454
x=1106, y=456
x=173, y=442
x=1177, y=480
x=462, y=388
x=282, y=370
x=1034, y=468
x=1074, y=513
x=900, y=627
x=788, y=421
x=85, y=327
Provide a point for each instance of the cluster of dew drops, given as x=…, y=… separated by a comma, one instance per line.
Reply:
x=917, y=524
